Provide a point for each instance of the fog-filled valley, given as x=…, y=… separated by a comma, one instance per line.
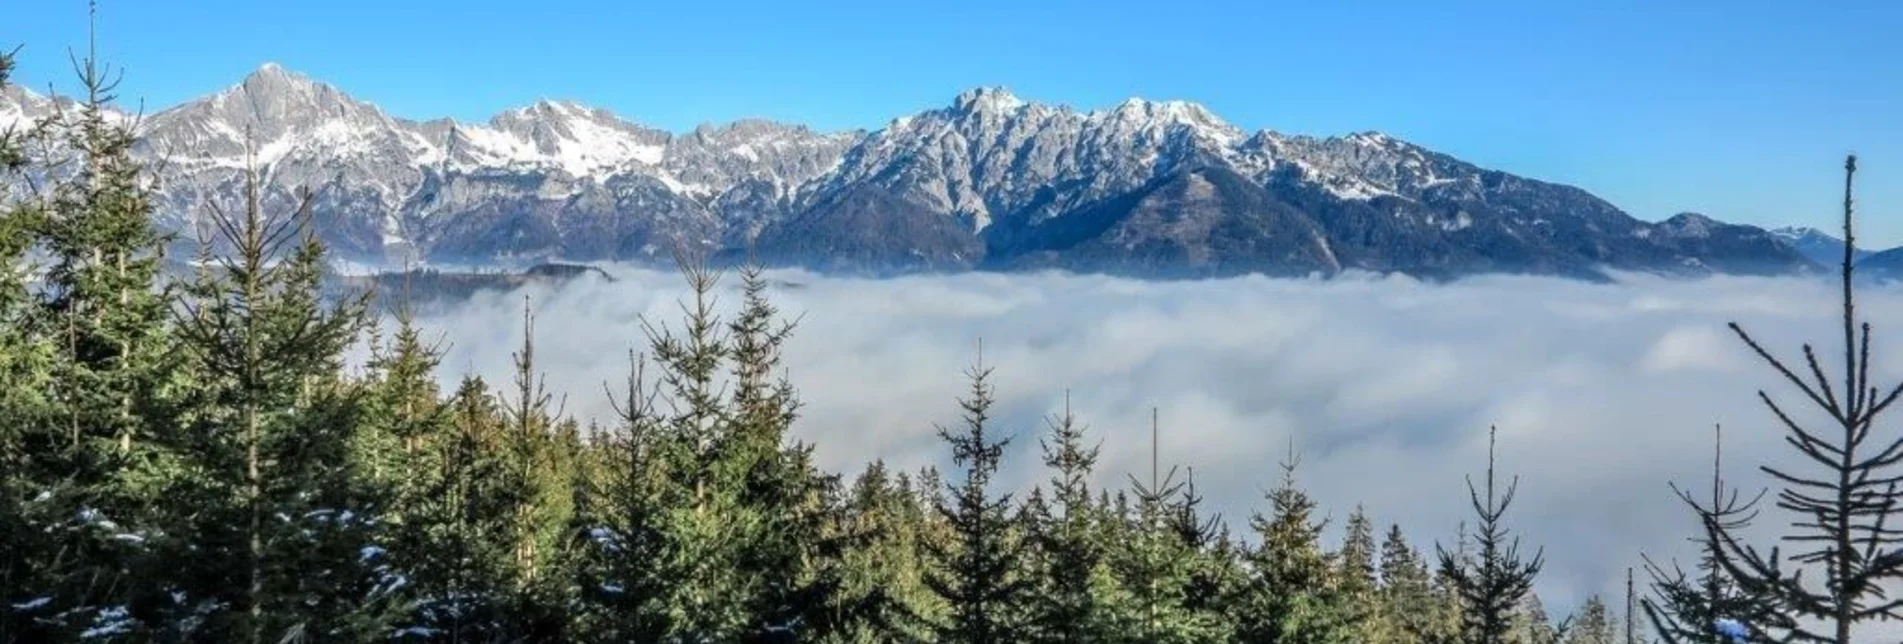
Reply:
x=1602, y=393
x=279, y=365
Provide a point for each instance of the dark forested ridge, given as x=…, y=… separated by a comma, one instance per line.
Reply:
x=184, y=456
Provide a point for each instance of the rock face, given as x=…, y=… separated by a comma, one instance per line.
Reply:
x=990, y=181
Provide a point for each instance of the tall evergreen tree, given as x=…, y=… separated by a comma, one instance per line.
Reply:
x=1844, y=507
x=1291, y=595
x=705, y=524
x=1683, y=608
x=458, y=540
x=279, y=536
x=978, y=573
x=28, y=565
x=1407, y=602
x=1494, y=580
x=796, y=553
x=1355, y=575
x=883, y=593
x=1067, y=535
x=1216, y=570
x=716, y=526
x=406, y=409
x=1158, y=565
x=1594, y=624
x=102, y=300
x=623, y=580
x=87, y=353
x=541, y=452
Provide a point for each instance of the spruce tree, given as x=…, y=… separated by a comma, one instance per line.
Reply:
x=711, y=523
x=1291, y=595
x=1493, y=582
x=406, y=409
x=705, y=525
x=1158, y=565
x=459, y=535
x=1408, y=606
x=1532, y=624
x=280, y=538
x=620, y=514
x=28, y=562
x=1355, y=575
x=795, y=556
x=978, y=572
x=1449, y=616
x=1682, y=608
x=540, y=449
x=884, y=587
x=1067, y=535
x=87, y=354
x=934, y=532
x=1216, y=568
x=1594, y=624
x=1843, y=507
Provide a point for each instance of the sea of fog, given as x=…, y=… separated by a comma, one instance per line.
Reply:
x=1602, y=393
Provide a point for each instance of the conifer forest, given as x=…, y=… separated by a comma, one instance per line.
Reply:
x=191, y=458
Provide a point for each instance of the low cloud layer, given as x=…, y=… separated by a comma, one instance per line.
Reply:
x=1602, y=393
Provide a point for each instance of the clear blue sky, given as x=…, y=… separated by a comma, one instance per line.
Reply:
x=1741, y=110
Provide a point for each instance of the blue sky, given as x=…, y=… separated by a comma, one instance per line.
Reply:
x=1741, y=110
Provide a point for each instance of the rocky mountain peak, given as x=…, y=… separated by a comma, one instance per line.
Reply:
x=271, y=105
x=1173, y=110
x=993, y=100
x=272, y=72
x=1689, y=225
x=274, y=93
x=991, y=180
x=19, y=105
x=1821, y=247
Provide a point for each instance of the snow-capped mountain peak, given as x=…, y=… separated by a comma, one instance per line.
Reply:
x=579, y=140
x=994, y=100
x=990, y=178
x=1799, y=232
x=1138, y=115
x=1821, y=247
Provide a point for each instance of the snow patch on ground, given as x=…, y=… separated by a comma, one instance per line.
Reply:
x=115, y=620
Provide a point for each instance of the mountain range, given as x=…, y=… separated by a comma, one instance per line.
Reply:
x=989, y=181
x=1818, y=246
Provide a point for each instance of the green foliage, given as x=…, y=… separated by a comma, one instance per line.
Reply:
x=704, y=522
x=882, y=596
x=456, y=537
x=1491, y=584
x=195, y=461
x=1355, y=575
x=1291, y=594
x=1682, y=607
x=1532, y=625
x=1073, y=589
x=977, y=571
x=1594, y=624
x=86, y=375
x=1160, y=560
x=1409, y=606
x=277, y=524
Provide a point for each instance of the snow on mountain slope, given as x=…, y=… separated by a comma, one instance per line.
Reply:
x=1821, y=247
x=965, y=184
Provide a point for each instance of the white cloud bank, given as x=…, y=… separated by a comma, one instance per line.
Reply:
x=1602, y=393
